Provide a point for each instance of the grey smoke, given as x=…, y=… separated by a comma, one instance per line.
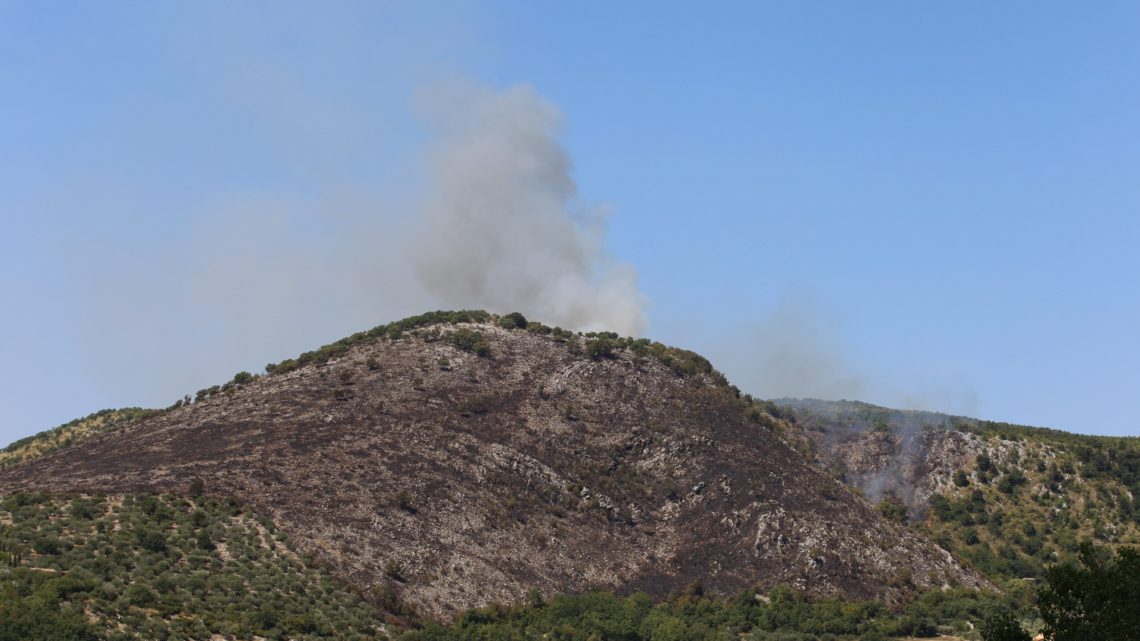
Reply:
x=502, y=228
x=255, y=278
x=792, y=351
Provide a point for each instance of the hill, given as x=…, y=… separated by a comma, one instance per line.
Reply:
x=1011, y=499
x=458, y=459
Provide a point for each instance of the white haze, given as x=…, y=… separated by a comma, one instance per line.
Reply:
x=797, y=349
x=792, y=351
x=500, y=228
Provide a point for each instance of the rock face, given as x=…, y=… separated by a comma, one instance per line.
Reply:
x=908, y=454
x=411, y=466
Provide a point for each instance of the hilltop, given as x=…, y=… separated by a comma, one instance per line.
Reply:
x=457, y=459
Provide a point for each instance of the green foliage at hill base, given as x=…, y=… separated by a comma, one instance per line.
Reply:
x=161, y=568
x=782, y=615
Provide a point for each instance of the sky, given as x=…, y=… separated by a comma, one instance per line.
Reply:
x=919, y=205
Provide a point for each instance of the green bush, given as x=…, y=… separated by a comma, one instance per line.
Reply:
x=514, y=320
x=1003, y=626
x=469, y=340
x=892, y=509
x=140, y=596
x=598, y=348
x=1008, y=483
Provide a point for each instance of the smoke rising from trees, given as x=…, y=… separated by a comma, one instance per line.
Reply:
x=501, y=227
x=257, y=277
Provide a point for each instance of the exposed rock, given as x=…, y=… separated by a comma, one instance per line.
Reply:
x=908, y=454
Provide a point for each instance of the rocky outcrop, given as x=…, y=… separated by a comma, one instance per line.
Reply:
x=907, y=454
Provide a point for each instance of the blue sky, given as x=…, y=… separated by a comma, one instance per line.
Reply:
x=917, y=205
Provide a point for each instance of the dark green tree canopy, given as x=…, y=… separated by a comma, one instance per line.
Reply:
x=1099, y=598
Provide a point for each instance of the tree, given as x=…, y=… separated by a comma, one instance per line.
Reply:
x=1003, y=627
x=1096, y=599
x=197, y=487
x=514, y=320
x=893, y=509
x=469, y=341
x=599, y=348
x=1011, y=481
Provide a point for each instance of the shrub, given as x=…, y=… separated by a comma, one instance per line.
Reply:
x=392, y=569
x=1010, y=482
x=140, y=596
x=539, y=328
x=197, y=487
x=404, y=500
x=599, y=348
x=514, y=320
x=477, y=404
x=469, y=340
x=151, y=540
x=1003, y=627
x=46, y=545
x=984, y=463
x=893, y=509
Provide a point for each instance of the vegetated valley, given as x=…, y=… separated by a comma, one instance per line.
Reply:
x=465, y=475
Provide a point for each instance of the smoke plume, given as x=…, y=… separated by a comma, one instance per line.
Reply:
x=501, y=227
x=255, y=278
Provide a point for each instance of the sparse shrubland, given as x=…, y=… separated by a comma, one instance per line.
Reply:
x=1013, y=520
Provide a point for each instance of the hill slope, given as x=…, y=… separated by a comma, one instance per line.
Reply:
x=1010, y=499
x=460, y=464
